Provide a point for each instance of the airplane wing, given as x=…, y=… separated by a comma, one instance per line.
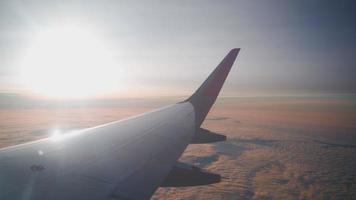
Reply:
x=126, y=159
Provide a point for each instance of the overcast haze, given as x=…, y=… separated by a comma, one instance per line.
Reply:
x=169, y=47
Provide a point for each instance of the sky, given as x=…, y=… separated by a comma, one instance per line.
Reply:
x=167, y=48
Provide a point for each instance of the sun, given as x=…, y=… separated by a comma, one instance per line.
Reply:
x=70, y=62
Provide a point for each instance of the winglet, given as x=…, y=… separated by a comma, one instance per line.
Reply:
x=205, y=96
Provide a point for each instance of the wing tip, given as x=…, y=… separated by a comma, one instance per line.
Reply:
x=235, y=51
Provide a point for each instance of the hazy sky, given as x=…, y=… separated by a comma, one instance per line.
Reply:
x=169, y=47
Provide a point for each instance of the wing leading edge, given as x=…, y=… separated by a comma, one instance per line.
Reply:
x=126, y=159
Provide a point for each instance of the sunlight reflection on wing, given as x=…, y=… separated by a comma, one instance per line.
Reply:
x=58, y=135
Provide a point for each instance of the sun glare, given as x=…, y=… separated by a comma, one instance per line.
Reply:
x=69, y=62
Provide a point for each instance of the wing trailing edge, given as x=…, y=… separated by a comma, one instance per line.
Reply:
x=204, y=136
x=184, y=175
